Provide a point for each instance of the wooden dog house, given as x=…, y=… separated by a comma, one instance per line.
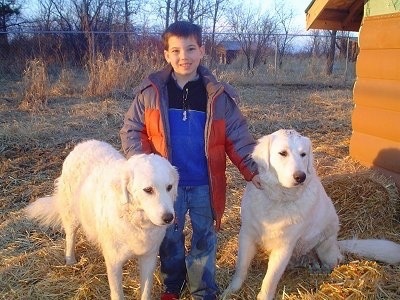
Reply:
x=227, y=51
x=375, y=140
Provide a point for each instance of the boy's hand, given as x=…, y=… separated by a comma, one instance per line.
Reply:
x=257, y=182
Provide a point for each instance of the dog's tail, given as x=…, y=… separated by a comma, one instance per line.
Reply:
x=44, y=210
x=380, y=250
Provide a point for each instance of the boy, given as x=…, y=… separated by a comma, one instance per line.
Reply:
x=183, y=113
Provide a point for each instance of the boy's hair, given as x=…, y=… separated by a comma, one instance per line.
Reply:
x=182, y=29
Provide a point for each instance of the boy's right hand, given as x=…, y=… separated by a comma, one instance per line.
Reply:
x=257, y=181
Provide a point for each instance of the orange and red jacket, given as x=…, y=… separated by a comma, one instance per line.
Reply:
x=146, y=130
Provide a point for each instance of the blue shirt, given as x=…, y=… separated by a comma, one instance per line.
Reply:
x=187, y=119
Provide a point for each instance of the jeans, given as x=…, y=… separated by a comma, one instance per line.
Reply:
x=199, y=264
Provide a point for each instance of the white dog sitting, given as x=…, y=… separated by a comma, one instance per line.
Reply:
x=123, y=206
x=292, y=215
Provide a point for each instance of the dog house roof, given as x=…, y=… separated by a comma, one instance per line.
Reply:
x=335, y=14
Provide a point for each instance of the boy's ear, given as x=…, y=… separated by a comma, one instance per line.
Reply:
x=203, y=51
x=166, y=56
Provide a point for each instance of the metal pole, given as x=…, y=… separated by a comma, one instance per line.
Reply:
x=347, y=59
x=276, y=55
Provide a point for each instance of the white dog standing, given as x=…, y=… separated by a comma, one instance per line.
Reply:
x=123, y=206
x=292, y=215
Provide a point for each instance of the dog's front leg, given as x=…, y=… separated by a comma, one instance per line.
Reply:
x=277, y=263
x=114, y=274
x=147, y=265
x=246, y=252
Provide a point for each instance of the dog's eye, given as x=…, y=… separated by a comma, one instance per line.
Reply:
x=283, y=153
x=169, y=187
x=148, y=190
x=303, y=154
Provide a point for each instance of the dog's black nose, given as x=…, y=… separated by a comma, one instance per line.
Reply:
x=168, y=218
x=299, y=176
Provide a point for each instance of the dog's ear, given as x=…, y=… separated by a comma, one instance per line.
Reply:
x=310, y=165
x=261, y=152
x=120, y=184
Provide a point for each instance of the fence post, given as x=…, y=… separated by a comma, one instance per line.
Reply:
x=347, y=59
x=276, y=55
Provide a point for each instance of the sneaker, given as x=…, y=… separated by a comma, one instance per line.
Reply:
x=169, y=296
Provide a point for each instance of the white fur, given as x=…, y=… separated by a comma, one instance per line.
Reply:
x=123, y=206
x=292, y=217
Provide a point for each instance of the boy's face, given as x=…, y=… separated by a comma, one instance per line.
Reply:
x=184, y=55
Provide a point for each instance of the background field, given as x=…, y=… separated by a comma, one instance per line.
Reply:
x=35, y=140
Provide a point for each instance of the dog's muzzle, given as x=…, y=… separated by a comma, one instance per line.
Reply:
x=299, y=177
x=168, y=218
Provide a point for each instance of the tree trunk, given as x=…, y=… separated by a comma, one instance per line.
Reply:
x=167, y=13
x=331, y=53
x=215, y=16
x=176, y=14
x=4, y=45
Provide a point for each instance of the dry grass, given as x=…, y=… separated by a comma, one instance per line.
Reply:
x=33, y=146
x=65, y=84
x=36, y=85
x=295, y=70
x=117, y=73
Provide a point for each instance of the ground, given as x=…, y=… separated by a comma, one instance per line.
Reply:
x=34, y=144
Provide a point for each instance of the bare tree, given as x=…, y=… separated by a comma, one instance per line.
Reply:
x=130, y=7
x=191, y=10
x=342, y=43
x=167, y=13
x=216, y=11
x=8, y=11
x=198, y=11
x=331, y=53
x=169, y=10
x=253, y=30
x=284, y=15
x=314, y=46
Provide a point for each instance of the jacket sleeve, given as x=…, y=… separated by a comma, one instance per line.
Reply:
x=133, y=133
x=239, y=141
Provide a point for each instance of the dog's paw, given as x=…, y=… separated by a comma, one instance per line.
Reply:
x=309, y=261
x=70, y=260
x=227, y=293
x=263, y=296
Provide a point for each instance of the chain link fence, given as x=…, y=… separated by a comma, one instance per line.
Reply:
x=278, y=58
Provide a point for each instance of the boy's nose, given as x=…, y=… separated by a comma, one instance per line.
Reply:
x=183, y=54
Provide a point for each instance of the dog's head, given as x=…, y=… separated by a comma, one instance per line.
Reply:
x=150, y=184
x=284, y=157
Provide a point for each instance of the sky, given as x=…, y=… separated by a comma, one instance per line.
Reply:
x=298, y=6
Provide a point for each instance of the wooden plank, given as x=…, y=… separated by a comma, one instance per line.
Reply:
x=334, y=15
x=335, y=25
x=381, y=32
x=314, y=11
x=379, y=64
x=355, y=13
x=374, y=151
x=377, y=93
x=377, y=122
x=375, y=140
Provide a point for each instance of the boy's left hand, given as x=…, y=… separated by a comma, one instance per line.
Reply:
x=257, y=181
